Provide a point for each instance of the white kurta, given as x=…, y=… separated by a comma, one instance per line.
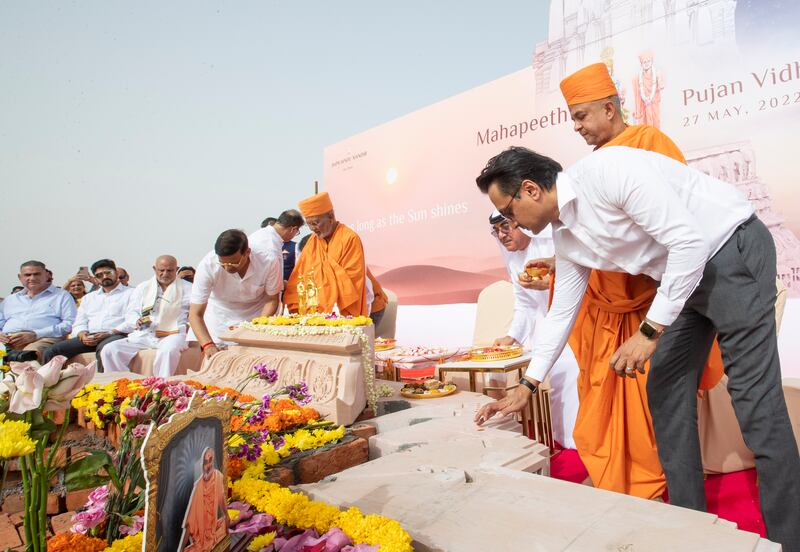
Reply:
x=168, y=348
x=530, y=308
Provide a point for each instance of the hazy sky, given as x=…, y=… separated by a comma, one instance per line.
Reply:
x=129, y=130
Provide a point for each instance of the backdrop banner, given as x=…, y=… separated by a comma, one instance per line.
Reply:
x=721, y=78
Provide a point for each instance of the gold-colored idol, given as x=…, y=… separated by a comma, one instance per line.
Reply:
x=301, y=296
x=312, y=293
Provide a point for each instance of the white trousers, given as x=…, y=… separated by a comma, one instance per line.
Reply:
x=168, y=354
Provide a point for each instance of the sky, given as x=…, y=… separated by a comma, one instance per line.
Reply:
x=130, y=130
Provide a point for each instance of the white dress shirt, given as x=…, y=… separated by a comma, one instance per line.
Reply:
x=102, y=311
x=267, y=241
x=233, y=299
x=629, y=210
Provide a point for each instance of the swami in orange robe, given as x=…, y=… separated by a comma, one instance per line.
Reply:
x=381, y=299
x=205, y=523
x=614, y=431
x=335, y=253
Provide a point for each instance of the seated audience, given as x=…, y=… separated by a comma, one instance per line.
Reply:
x=35, y=318
x=157, y=318
x=236, y=284
x=186, y=273
x=76, y=288
x=100, y=315
x=124, y=277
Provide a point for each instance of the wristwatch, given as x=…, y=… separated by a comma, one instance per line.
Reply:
x=529, y=385
x=649, y=331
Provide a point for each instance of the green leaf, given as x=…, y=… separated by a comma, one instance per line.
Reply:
x=86, y=482
x=89, y=465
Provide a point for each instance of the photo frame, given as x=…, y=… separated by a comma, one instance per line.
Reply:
x=185, y=465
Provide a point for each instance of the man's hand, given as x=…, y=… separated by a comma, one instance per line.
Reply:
x=505, y=341
x=210, y=351
x=21, y=339
x=4, y=338
x=515, y=401
x=83, y=337
x=525, y=279
x=632, y=355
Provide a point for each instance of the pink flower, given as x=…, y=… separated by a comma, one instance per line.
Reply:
x=87, y=519
x=140, y=431
x=177, y=390
x=132, y=412
x=98, y=497
x=181, y=404
x=132, y=525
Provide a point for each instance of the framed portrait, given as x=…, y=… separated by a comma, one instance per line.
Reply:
x=185, y=464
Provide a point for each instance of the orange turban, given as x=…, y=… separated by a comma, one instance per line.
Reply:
x=588, y=84
x=316, y=205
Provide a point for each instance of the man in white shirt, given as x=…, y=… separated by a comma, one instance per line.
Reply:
x=639, y=212
x=99, y=314
x=271, y=238
x=530, y=308
x=157, y=317
x=236, y=284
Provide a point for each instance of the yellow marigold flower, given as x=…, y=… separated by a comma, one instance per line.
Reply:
x=15, y=440
x=235, y=440
x=261, y=541
x=131, y=543
x=233, y=515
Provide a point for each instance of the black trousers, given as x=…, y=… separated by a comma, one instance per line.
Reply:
x=736, y=301
x=71, y=347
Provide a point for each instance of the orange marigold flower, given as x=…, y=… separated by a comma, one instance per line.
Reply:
x=75, y=542
x=236, y=467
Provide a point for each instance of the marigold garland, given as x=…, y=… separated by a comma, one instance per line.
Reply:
x=297, y=510
x=312, y=320
x=76, y=542
x=260, y=542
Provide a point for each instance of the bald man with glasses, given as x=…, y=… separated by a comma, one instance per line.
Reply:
x=232, y=284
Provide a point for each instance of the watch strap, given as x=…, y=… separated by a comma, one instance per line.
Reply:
x=529, y=385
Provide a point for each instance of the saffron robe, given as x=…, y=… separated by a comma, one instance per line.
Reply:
x=614, y=431
x=204, y=521
x=339, y=273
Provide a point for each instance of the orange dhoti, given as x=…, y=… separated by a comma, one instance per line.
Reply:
x=614, y=432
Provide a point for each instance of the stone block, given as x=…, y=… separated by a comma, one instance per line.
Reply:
x=8, y=533
x=17, y=519
x=318, y=465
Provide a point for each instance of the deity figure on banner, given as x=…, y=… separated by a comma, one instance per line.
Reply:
x=647, y=86
x=334, y=257
x=206, y=520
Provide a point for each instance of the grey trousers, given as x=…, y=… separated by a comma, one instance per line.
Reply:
x=736, y=301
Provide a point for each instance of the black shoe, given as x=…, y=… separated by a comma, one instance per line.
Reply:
x=21, y=356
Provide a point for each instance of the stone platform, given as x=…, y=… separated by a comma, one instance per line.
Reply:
x=456, y=487
x=333, y=366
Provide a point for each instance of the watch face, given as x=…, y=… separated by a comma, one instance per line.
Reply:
x=648, y=330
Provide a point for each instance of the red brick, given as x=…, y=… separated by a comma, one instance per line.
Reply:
x=365, y=431
x=53, y=506
x=366, y=414
x=14, y=503
x=8, y=533
x=282, y=476
x=314, y=467
x=17, y=519
x=75, y=433
x=62, y=522
x=77, y=499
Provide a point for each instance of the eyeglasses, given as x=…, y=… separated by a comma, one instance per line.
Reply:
x=233, y=265
x=508, y=211
x=504, y=227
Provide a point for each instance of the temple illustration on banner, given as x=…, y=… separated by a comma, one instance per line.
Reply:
x=580, y=30
x=736, y=163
